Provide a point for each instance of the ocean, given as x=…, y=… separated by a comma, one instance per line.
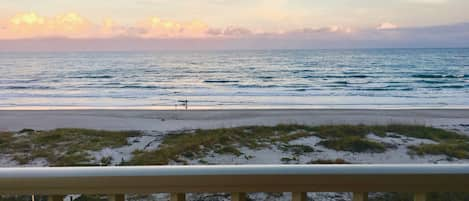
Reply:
x=249, y=79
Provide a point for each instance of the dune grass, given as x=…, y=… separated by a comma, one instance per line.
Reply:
x=5, y=140
x=61, y=147
x=297, y=149
x=452, y=149
x=178, y=147
x=352, y=138
x=354, y=144
x=71, y=146
x=198, y=143
x=415, y=131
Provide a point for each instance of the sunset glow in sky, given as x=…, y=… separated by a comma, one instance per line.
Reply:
x=334, y=20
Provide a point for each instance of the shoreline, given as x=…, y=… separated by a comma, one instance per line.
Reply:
x=173, y=120
x=234, y=108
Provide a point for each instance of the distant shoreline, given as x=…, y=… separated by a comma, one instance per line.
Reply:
x=171, y=120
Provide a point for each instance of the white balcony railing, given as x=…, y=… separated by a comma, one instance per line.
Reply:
x=237, y=179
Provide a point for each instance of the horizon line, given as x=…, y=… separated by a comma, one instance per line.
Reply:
x=232, y=49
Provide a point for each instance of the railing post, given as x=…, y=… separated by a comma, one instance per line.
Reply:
x=238, y=196
x=420, y=197
x=360, y=196
x=55, y=198
x=117, y=197
x=178, y=197
x=299, y=196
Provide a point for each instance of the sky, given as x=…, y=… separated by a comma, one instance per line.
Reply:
x=231, y=24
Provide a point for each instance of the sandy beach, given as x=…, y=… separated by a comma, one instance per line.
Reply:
x=155, y=125
x=163, y=121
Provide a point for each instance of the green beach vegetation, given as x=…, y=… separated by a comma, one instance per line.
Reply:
x=353, y=138
x=73, y=146
x=61, y=147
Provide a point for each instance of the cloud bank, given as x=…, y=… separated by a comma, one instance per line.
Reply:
x=73, y=32
x=74, y=26
x=32, y=25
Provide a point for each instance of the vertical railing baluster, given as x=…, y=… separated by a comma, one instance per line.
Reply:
x=116, y=197
x=299, y=196
x=420, y=196
x=178, y=197
x=55, y=198
x=360, y=196
x=236, y=196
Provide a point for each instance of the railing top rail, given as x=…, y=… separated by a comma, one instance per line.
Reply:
x=220, y=170
x=235, y=178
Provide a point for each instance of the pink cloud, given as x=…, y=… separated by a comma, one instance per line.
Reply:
x=386, y=26
x=454, y=35
x=32, y=25
x=155, y=27
x=329, y=29
x=72, y=25
x=230, y=31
